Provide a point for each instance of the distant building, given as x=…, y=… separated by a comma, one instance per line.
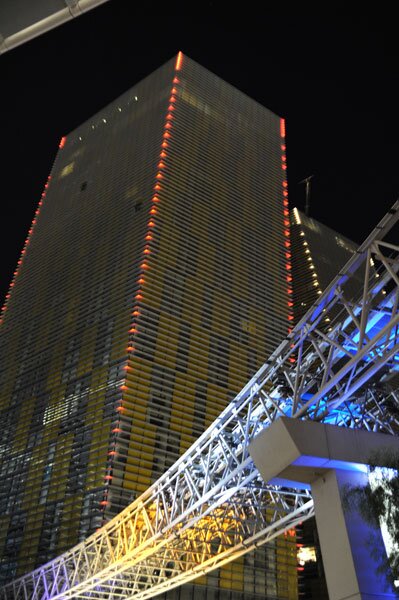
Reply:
x=318, y=253
x=155, y=280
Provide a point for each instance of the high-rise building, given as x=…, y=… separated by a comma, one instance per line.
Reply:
x=154, y=281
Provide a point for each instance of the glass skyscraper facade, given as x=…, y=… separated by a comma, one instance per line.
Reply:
x=155, y=280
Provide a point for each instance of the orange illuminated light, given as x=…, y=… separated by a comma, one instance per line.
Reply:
x=282, y=128
x=62, y=142
x=179, y=61
x=176, y=80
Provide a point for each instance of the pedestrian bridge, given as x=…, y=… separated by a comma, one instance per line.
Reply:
x=336, y=367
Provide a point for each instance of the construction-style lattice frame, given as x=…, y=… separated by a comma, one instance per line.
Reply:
x=212, y=506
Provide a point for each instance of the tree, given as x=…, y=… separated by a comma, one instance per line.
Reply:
x=378, y=503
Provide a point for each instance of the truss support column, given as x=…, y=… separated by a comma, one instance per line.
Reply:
x=305, y=454
x=349, y=563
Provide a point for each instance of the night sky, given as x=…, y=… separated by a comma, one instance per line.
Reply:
x=333, y=78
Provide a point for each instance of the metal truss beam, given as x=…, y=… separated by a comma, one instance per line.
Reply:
x=212, y=506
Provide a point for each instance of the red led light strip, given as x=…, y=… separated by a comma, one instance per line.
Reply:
x=154, y=208
x=167, y=136
x=26, y=243
x=286, y=223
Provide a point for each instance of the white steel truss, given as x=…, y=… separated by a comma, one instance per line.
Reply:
x=212, y=506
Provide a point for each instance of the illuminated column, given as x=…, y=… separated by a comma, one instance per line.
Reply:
x=326, y=458
x=350, y=565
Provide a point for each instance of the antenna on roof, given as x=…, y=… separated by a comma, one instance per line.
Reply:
x=307, y=181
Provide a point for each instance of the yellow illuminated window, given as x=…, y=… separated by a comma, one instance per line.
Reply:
x=307, y=554
x=68, y=169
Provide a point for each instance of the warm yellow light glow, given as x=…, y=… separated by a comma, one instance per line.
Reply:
x=297, y=217
x=67, y=170
x=306, y=554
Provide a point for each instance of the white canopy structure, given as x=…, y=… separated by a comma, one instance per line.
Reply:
x=23, y=20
